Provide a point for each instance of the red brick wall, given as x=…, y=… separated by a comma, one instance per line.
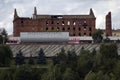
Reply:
x=108, y=24
x=75, y=28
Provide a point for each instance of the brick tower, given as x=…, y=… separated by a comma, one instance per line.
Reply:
x=76, y=25
x=108, y=25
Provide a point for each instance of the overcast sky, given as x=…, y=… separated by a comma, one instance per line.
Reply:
x=25, y=9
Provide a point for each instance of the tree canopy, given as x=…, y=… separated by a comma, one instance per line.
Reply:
x=3, y=36
x=103, y=64
x=5, y=55
x=97, y=36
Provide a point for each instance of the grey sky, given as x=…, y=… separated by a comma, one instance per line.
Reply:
x=25, y=9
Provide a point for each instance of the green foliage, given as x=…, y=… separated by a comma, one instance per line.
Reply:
x=60, y=58
x=58, y=72
x=69, y=75
x=3, y=37
x=19, y=59
x=31, y=60
x=109, y=50
x=38, y=72
x=71, y=59
x=103, y=64
x=23, y=73
x=85, y=63
x=106, y=40
x=6, y=75
x=109, y=56
x=90, y=76
x=49, y=75
x=97, y=76
x=97, y=62
x=116, y=69
x=93, y=53
x=97, y=36
x=5, y=55
x=41, y=57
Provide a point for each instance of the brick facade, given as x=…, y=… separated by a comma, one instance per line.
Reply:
x=76, y=25
x=108, y=24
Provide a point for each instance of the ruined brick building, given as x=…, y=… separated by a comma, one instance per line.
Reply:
x=76, y=25
x=108, y=24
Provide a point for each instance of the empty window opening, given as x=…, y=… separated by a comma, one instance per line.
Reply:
x=79, y=28
x=58, y=28
x=85, y=21
x=74, y=34
x=73, y=28
x=90, y=29
x=84, y=25
x=79, y=23
x=21, y=21
x=46, y=23
x=68, y=23
x=68, y=28
x=63, y=23
x=79, y=34
x=84, y=34
x=89, y=34
x=74, y=23
x=52, y=22
x=57, y=22
x=46, y=28
x=52, y=28
x=63, y=29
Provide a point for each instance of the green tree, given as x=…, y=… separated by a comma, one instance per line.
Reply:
x=3, y=37
x=50, y=74
x=97, y=36
x=23, y=73
x=93, y=53
x=38, y=72
x=90, y=76
x=60, y=58
x=109, y=56
x=19, y=58
x=6, y=74
x=99, y=75
x=109, y=51
x=85, y=63
x=58, y=72
x=97, y=62
x=116, y=69
x=31, y=60
x=71, y=59
x=69, y=75
x=41, y=57
x=5, y=55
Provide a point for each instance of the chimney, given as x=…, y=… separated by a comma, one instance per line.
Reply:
x=108, y=25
